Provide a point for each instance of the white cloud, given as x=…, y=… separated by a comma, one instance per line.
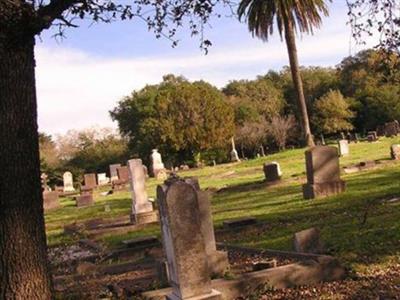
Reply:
x=76, y=89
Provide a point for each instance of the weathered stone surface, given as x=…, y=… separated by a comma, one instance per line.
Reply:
x=395, y=151
x=183, y=241
x=140, y=201
x=84, y=200
x=113, y=171
x=157, y=165
x=50, y=200
x=90, y=180
x=323, y=173
x=68, y=182
x=123, y=174
x=272, y=171
x=392, y=129
x=322, y=269
x=308, y=241
x=372, y=136
x=343, y=147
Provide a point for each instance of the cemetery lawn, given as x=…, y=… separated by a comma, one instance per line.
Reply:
x=361, y=226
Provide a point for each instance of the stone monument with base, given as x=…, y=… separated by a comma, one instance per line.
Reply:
x=323, y=173
x=184, y=243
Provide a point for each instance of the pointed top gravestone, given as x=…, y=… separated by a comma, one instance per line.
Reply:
x=184, y=242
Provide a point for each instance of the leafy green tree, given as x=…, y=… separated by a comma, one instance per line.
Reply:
x=372, y=79
x=254, y=100
x=290, y=16
x=179, y=117
x=332, y=113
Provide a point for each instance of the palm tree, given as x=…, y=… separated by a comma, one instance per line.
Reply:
x=291, y=16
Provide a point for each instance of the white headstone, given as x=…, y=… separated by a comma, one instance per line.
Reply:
x=68, y=182
x=102, y=179
x=156, y=163
x=343, y=147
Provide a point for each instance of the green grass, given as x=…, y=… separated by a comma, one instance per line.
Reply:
x=281, y=207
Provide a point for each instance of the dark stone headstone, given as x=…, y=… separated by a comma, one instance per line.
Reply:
x=90, y=180
x=323, y=172
x=272, y=172
x=392, y=129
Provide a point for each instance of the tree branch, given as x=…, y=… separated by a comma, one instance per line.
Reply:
x=54, y=10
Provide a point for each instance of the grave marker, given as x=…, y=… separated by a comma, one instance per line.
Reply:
x=272, y=171
x=142, y=208
x=184, y=243
x=90, y=180
x=68, y=182
x=113, y=171
x=343, y=147
x=323, y=173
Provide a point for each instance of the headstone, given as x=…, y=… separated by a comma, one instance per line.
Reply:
x=272, y=171
x=184, y=243
x=102, y=179
x=113, y=172
x=142, y=208
x=90, y=180
x=372, y=136
x=343, y=147
x=308, y=241
x=323, y=173
x=50, y=200
x=217, y=260
x=157, y=166
x=123, y=174
x=392, y=129
x=68, y=182
x=395, y=151
x=84, y=200
x=234, y=153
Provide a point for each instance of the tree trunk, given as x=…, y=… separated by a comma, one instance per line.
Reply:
x=296, y=76
x=24, y=273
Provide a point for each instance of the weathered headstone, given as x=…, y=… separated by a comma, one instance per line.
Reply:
x=217, y=260
x=323, y=173
x=184, y=243
x=123, y=174
x=372, y=136
x=142, y=208
x=44, y=178
x=234, y=153
x=84, y=200
x=90, y=180
x=308, y=241
x=272, y=171
x=50, y=200
x=68, y=182
x=392, y=129
x=343, y=147
x=102, y=179
x=157, y=167
x=395, y=151
x=113, y=172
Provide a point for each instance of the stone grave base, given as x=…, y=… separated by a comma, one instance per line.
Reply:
x=145, y=218
x=318, y=269
x=214, y=295
x=84, y=200
x=318, y=190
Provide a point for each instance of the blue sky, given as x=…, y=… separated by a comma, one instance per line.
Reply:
x=82, y=77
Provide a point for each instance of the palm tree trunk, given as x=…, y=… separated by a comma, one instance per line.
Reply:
x=296, y=76
x=24, y=273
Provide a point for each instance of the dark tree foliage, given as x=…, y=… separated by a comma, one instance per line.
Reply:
x=381, y=17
